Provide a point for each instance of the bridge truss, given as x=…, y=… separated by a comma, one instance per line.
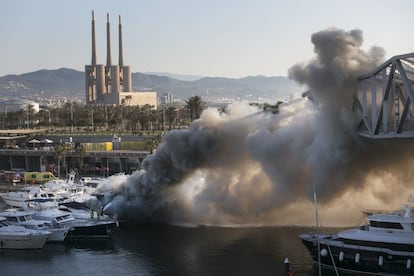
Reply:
x=384, y=100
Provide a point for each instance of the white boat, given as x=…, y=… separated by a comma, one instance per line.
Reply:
x=384, y=246
x=92, y=182
x=30, y=197
x=19, y=237
x=25, y=219
x=69, y=190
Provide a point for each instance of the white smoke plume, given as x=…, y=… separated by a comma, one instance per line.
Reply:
x=245, y=166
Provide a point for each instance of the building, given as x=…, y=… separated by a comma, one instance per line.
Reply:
x=167, y=98
x=112, y=84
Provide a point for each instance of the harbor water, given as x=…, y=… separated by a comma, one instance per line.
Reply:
x=158, y=249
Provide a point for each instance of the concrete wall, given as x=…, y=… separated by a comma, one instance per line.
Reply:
x=140, y=98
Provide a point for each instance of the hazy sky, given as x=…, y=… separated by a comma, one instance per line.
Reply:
x=228, y=38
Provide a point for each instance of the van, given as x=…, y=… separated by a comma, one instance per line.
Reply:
x=38, y=177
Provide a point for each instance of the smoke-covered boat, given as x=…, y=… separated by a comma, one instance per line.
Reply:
x=383, y=246
x=93, y=227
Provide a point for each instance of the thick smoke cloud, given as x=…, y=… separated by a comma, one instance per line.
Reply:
x=245, y=166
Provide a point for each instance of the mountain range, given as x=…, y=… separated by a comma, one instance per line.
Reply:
x=69, y=83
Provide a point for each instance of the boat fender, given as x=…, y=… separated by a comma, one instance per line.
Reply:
x=380, y=260
x=408, y=264
x=357, y=257
x=341, y=256
x=324, y=252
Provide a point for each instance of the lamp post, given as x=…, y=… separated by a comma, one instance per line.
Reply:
x=48, y=113
x=71, y=116
x=5, y=118
x=92, y=118
x=41, y=164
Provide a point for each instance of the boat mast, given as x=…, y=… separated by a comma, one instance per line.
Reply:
x=315, y=203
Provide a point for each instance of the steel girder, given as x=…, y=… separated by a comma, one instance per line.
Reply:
x=384, y=100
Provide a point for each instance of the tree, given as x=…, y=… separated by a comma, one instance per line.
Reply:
x=171, y=116
x=60, y=152
x=194, y=106
x=128, y=99
x=82, y=152
x=30, y=115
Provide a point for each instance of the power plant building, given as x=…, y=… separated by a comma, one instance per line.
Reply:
x=112, y=84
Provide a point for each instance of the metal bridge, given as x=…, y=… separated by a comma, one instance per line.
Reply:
x=384, y=100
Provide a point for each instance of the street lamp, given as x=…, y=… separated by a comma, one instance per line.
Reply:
x=48, y=112
x=5, y=118
x=92, y=117
x=71, y=116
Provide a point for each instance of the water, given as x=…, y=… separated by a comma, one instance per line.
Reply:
x=155, y=249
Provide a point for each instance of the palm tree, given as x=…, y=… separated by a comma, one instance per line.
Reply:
x=171, y=116
x=82, y=151
x=194, y=106
x=128, y=98
x=60, y=152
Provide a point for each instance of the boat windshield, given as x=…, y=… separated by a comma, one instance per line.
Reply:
x=60, y=218
x=386, y=224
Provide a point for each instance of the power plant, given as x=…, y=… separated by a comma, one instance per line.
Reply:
x=112, y=84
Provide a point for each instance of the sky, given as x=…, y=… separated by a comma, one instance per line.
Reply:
x=216, y=38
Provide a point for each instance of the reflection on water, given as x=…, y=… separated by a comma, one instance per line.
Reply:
x=154, y=249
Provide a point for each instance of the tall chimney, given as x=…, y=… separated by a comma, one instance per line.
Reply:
x=121, y=52
x=93, y=40
x=108, y=42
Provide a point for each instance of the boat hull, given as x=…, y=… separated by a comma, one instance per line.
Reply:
x=357, y=260
x=58, y=234
x=91, y=229
x=27, y=241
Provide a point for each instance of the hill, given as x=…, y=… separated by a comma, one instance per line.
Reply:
x=69, y=84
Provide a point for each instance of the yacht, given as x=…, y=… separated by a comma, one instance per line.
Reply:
x=25, y=219
x=30, y=197
x=70, y=190
x=92, y=227
x=382, y=246
x=19, y=237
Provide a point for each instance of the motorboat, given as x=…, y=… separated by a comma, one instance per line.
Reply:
x=25, y=219
x=19, y=237
x=92, y=227
x=382, y=246
x=93, y=182
x=70, y=190
x=30, y=197
x=93, y=223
